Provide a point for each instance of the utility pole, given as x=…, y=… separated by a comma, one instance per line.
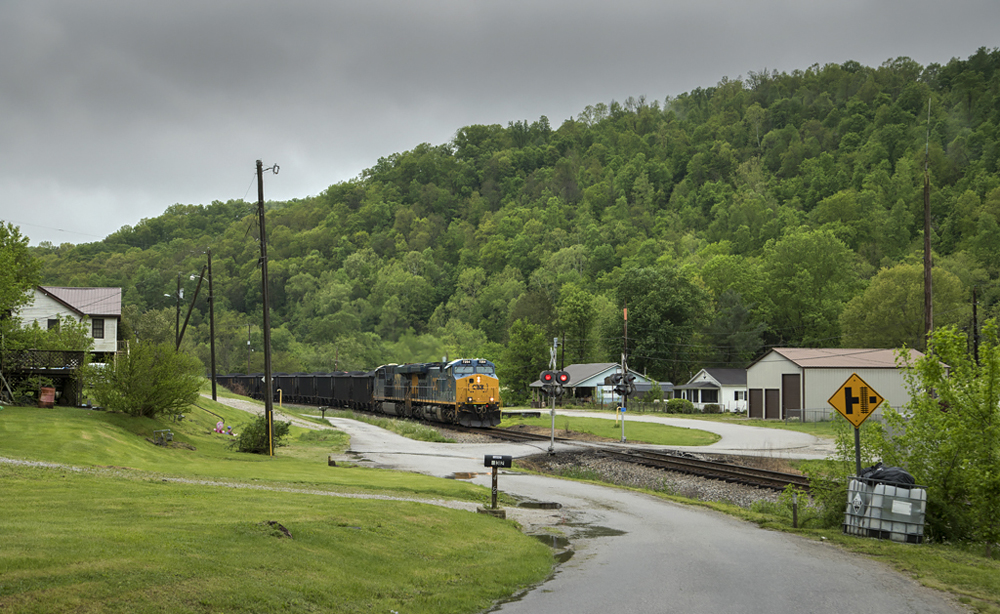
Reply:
x=177, y=322
x=625, y=368
x=268, y=401
x=552, y=366
x=928, y=304
x=211, y=322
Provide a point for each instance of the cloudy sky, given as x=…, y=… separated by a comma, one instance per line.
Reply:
x=113, y=110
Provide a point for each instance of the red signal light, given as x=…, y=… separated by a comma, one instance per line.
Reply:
x=562, y=377
x=548, y=377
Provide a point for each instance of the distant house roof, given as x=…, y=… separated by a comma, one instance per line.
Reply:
x=841, y=358
x=585, y=371
x=581, y=373
x=729, y=377
x=719, y=377
x=87, y=301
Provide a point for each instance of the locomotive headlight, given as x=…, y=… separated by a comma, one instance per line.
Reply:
x=469, y=400
x=479, y=379
x=492, y=399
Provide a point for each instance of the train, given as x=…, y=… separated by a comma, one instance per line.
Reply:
x=463, y=391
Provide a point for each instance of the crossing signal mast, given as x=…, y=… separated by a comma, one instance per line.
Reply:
x=552, y=383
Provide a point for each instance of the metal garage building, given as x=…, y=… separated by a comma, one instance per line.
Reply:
x=798, y=382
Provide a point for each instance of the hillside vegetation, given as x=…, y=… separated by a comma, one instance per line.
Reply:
x=776, y=209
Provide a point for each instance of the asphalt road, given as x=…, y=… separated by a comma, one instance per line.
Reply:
x=634, y=553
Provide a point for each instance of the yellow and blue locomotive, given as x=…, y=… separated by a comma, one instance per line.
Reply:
x=464, y=391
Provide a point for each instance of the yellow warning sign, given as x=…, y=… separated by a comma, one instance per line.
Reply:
x=856, y=400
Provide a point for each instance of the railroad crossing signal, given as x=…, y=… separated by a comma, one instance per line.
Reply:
x=553, y=382
x=856, y=400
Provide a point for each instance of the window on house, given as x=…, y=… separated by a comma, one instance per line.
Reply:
x=54, y=324
x=97, y=328
x=709, y=395
x=740, y=395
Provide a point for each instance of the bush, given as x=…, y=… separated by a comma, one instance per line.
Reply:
x=712, y=408
x=252, y=437
x=680, y=406
x=148, y=380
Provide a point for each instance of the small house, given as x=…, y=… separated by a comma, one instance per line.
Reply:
x=726, y=388
x=99, y=308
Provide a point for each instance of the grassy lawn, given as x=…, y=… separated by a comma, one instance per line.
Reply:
x=635, y=432
x=827, y=429
x=127, y=533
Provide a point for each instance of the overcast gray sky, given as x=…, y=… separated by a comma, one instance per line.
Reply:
x=113, y=110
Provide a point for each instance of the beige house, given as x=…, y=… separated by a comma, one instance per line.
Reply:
x=798, y=382
x=99, y=308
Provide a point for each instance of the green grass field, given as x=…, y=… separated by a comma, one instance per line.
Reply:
x=122, y=525
x=635, y=432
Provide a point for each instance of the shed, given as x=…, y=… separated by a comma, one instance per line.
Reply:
x=798, y=382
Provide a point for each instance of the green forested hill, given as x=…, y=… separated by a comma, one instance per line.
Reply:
x=779, y=209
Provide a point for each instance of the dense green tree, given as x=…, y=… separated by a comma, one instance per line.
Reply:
x=735, y=335
x=811, y=275
x=890, y=312
x=665, y=309
x=577, y=318
x=524, y=356
x=19, y=273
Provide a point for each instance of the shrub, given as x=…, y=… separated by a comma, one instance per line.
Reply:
x=712, y=408
x=680, y=406
x=148, y=380
x=252, y=437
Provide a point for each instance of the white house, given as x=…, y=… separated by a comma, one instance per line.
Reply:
x=799, y=382
x=99, y=308
x=726, y=388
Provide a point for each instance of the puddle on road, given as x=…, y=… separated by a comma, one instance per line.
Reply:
x=588, y=531
x=559, y=544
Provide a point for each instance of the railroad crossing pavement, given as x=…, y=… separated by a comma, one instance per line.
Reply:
x=634, y=553
x=736, y=438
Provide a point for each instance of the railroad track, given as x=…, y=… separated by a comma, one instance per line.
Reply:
x=727, y=472
x=670, y=461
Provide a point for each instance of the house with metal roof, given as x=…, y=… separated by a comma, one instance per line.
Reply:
x=586, y=383
x=726, y=388
x=99, y=308
x=799, y=382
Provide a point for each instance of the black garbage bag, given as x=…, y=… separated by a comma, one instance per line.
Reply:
x=879, y=474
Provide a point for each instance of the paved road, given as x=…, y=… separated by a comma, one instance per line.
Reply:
x=736, y=439
x=634, y=553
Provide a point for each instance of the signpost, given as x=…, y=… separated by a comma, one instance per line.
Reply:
x=495, y=461
x=856, y=400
